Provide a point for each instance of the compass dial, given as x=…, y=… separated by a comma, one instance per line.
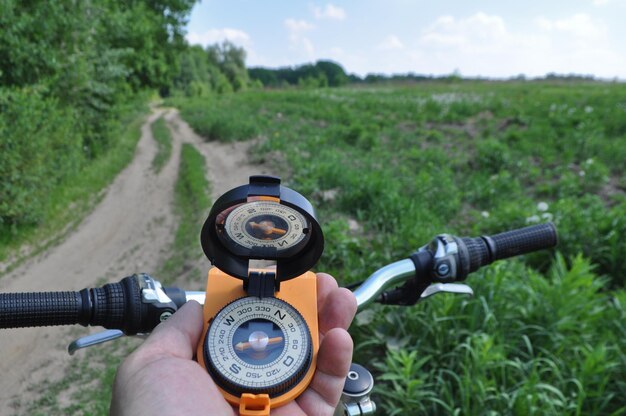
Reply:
x=269, y=227
x=258, y=345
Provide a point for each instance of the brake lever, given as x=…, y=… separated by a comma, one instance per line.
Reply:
x=457, y=288
x=94, y=339
x=98, y=338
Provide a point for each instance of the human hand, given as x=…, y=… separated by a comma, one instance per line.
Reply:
x=160, y=377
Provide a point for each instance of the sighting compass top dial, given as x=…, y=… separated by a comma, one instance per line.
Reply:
x=263, y=226
x=266, y=221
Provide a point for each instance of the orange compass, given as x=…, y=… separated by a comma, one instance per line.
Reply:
x=260, y=338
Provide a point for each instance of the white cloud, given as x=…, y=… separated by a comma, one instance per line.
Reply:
x=298, y=41
x=482, y=44
x=479, y=31
x=294, y=25
x=213, y=36
x=600, y=2
x=391, y=42
x=329, y=12
x=579, y=25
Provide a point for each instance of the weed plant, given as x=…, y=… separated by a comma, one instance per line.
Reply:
x=388, y=168
x=163, y=140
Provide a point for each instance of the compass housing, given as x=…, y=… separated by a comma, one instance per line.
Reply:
x=236, y=366
x=221, y=290
x=230, y=248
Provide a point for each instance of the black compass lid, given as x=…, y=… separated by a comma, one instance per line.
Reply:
x=262, y=221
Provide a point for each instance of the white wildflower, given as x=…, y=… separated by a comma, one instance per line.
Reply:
x=542, y=206
x=533, y=219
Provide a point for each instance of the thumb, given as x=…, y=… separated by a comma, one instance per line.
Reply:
x=179, y=335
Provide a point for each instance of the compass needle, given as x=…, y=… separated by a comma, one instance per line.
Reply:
x=258, y=344
x=267, y=227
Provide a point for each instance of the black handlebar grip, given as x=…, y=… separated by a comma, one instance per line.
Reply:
x=522, y=241
x=484, y=250
x=19, y=310
x=114, y=306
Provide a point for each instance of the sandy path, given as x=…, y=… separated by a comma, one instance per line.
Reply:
x=129, y=231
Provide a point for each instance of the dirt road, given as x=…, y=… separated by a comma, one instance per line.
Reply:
x=129, y=231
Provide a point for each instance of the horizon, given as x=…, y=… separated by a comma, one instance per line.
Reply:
x=443, y=76
x=485, y=39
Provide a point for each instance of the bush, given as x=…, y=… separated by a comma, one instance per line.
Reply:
x=39, y=147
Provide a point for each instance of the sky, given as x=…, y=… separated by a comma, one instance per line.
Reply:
x=487, y=38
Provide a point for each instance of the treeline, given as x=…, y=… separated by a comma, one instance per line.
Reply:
x=219, y=68
x=71, y=70
x=320, y=74
x=331, y=74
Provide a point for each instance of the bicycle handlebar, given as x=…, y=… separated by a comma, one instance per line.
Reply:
x=138, y=303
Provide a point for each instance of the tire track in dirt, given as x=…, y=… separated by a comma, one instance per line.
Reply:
x=129, y=231
x=228, y=164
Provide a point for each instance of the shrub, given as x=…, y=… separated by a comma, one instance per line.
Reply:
x=39, y=147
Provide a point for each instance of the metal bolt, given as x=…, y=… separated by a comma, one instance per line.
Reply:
x=443, y=269
x=353, y=375
x=164, y=316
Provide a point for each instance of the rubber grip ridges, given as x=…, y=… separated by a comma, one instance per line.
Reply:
x=478, y=253
x=109, y=306
x=524, y=240
x=19, y=310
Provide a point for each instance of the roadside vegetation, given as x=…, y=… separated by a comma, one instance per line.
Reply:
x=389, y=167
x=49, y=207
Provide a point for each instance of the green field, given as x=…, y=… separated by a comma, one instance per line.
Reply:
x=390, y=167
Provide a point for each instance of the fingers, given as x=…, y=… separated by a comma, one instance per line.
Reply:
x=325, y=284
x=333, y=363
x=338, y=305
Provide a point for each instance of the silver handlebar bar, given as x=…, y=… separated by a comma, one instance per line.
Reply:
x=390, y=275
x=382, y=279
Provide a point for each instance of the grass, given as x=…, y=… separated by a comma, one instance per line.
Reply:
x=76, y=196
x=163, y=139
x=388, y=168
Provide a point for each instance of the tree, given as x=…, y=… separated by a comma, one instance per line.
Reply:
x=334, y=73
x=231, y=60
